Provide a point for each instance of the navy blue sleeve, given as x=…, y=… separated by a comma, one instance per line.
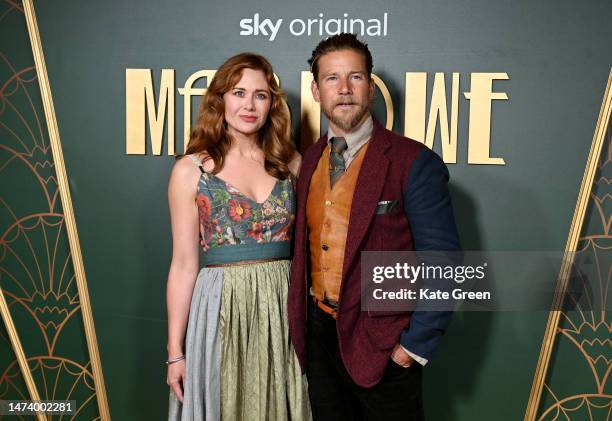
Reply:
x=427, y=204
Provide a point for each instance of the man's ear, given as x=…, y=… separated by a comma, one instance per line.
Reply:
x=372, y=87
x=314, y=88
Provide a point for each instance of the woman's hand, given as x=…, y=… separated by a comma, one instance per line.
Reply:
x=176, y=378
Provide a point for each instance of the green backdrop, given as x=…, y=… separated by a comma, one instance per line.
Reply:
x=556, y=53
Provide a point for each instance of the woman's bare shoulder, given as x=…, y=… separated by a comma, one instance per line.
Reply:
x=185, y=174
x=205, y=160
x=185, y=166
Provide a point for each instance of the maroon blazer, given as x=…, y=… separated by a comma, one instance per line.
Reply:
x=365, y=340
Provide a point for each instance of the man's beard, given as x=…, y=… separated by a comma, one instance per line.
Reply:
x=347, y=122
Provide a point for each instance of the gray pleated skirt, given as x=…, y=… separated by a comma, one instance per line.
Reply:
x=240, y=362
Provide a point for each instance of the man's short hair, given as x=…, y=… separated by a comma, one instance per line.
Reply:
x=343, y=41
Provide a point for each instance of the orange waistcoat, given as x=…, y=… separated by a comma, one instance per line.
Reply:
x=327, y=215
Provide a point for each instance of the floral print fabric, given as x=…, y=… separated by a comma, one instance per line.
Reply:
x=228, y=217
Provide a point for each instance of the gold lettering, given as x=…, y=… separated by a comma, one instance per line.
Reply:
x=310, y=113
x=414, y=117
x=437, y=110
x=142, y=108
x=388, y=101
x=140, y=96
x=188, y=91
x=414, y=105
x=481, y=96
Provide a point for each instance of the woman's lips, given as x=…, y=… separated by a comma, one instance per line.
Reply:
x=248, y=118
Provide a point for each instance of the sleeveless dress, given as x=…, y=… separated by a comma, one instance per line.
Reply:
x=240, y=363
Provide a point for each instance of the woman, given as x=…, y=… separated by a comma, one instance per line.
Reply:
x=229, y=354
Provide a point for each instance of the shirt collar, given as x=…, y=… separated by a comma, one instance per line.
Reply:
x=357, y=137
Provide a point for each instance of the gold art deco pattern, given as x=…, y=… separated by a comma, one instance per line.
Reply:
x=36, y=270
x=576, y=387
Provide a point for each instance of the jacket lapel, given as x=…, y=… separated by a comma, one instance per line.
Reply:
x=367, y=193
x=309, y=164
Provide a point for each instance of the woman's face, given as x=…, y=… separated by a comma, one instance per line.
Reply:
x=247, y=104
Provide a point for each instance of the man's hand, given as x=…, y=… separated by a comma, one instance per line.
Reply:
x=401, y=357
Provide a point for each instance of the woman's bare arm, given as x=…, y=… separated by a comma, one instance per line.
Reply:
x=184, y=267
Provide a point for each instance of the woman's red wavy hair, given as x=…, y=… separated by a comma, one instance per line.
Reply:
x=210, y=135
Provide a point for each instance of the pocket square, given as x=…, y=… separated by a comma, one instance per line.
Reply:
x=386, y=206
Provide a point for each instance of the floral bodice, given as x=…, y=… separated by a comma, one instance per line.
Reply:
x=230, y=218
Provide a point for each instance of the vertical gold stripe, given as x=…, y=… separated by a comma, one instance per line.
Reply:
x=71, y=228
x=570, y=247
x=21, y=358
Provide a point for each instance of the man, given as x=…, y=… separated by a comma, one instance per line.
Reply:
x=362, y=187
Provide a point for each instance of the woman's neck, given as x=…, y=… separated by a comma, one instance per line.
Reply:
x=244, y=146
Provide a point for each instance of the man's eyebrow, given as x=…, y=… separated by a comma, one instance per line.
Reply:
x=351, y=72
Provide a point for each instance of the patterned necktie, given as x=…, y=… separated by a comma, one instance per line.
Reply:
x=336, y=161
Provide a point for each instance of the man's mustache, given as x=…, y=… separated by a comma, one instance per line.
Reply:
x=346, y=101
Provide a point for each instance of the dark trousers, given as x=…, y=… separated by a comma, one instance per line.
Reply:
x=334, y=396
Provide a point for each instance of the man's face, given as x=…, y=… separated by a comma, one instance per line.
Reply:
x=343, y=89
